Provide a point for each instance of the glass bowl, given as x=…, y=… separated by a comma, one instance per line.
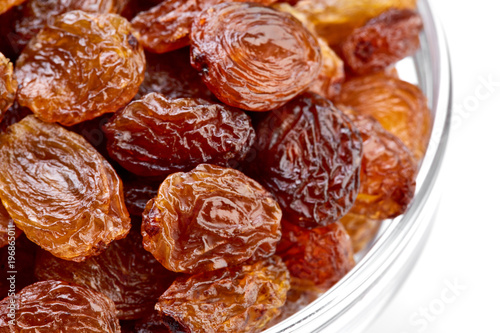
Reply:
x=355, y=301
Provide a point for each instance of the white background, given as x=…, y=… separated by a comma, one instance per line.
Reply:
x=464, y=247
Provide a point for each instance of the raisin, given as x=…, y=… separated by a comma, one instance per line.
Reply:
x=5, y=5
x=156, y=136
x=36, y=14
x=59, y=190
x=309, y=157
x=361, y=229
x=79, y=67
x=129, y=275
x=317, y=258
x=217, y=215
x=237, y=299
x=399, y=106
x=13, y=115
x=138, y=191
x=253, y=57
x=334, y=20
x=382, y=41
x=55, y=306
x=8, y=230
x=171, y=75
x=296, y=300
x=8, y=85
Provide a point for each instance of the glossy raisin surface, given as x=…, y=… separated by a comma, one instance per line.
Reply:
x=237, y=299
x=129, y=275
x=399, y=106
x=79, y=67
x=361, y=229
x=334, y=20
x=253, y=57
x=218, y=215
x=309, y=157
x=55, y=306
x=331, y=75
x=5, y=5
x=171, y=75
x=382, y=41
x=317, y=258
x=156, y=136
x=8, y=230
x=59, y=190
x=8, y=85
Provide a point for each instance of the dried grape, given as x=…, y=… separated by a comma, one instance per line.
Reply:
x=129, y=275
x=238, y=299
x=156, y=136
x=218, y=215
x=59, y=84
x=399, y=106
x=361, y=229
x=331, y=75
x=5, y=5
x=309, y=157
x=55, y=306
x=382, y=41
x=317, y=258
x=8, y=85
x=296, y=300
x=59, y=190
x=253, y=57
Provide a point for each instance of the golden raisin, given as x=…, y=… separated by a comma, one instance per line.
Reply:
x=361, y=229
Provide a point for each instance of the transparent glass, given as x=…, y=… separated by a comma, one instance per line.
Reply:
x=355, y=301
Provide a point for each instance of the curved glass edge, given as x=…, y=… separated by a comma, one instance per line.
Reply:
x=354, y=302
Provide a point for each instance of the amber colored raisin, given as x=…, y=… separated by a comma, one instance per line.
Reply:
x=399, y=106
x=59, y=190
x=296, y=300
x=156, y=136
x=5, y=5
x=171, y=75
x=8, y=230
x=138, y=191
x=129, y=275
x=153, y=323
x=253, y=57
x=382, y=41
x=218, y=216
x=334, y=20
x=36, y=14
x=55, y=306
x=388, y=172
x=13, y=115
x=237, y=299
x=317, y=258
x=308, y=154
x=8, y=85
x=16, y=266
x=361, y=229
x=79, y=67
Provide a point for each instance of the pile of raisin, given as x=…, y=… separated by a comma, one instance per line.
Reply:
x=197, y=166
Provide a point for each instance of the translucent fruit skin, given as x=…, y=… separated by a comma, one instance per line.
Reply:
x=79, y=67
x=334, y=20
x=238, y=299
x=218, y=215
x=60, y=191
x=55, y=306
x=5, y=5
x=399, y=106
x=382, y=41
x=388, y=172
x=331, y=75
x=156, y=136
x=309, y=157
x=317, y=258
x=126, y=273
x=8, y=85
x=253, y=57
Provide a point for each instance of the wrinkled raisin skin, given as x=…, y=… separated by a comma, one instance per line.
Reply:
x=59, y=190
x=130, y=276
x=60, y=85
x=382, y=41
x=242, y=60
x=317, y=258
x=218, y=215
x=309, y=156
x=399, y=106
x=361, y=229
x=8, y=85
x=55, y=306
x=237, y=299
x=156, y=136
